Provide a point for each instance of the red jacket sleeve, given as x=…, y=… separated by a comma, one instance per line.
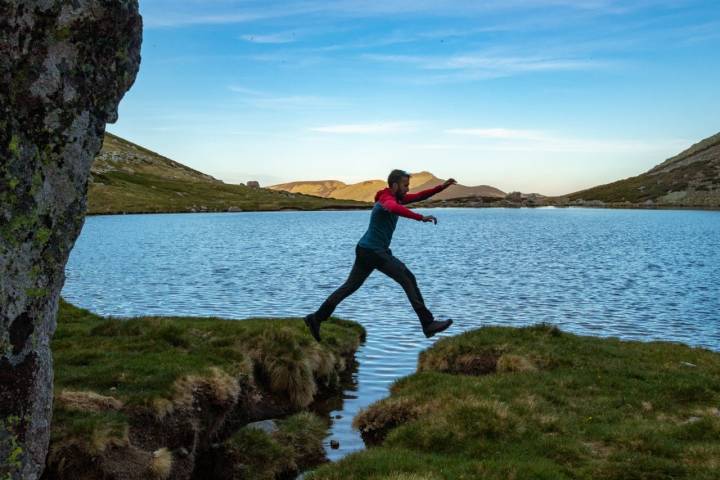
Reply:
x=389, y=203
x=416, y=197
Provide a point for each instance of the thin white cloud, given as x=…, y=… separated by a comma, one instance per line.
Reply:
x=368, y=128
x=499, y=133
x=265, y=100
x=184, y=20
x=295, y=101
x=245, y=90
x=468, y=67
x=489, y=63
x=513, y=140
x=166, y=13
x=271, y=38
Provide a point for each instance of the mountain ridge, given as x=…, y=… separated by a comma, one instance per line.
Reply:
x=365, y=190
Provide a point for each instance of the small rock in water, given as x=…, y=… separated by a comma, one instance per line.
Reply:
x=338, y=417
x=334, y=444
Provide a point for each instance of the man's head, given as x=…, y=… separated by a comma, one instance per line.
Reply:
x=399, y=182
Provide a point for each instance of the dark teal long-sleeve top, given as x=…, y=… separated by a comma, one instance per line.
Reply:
x=385, y=213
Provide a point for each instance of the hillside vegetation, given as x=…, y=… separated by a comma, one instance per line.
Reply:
x=689, y=179
x=127, y=178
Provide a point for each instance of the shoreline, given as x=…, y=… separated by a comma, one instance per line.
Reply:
x=513, y=206
x=284, y=209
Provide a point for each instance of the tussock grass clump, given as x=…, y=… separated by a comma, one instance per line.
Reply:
x=557, y=406
x=217, y=385
x=379, y=418
x=86, y=401
x=293, y=365
x=285, y=367
x=161, y=464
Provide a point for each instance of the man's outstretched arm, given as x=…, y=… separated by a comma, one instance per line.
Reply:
x=390, y=203
x=425, y=194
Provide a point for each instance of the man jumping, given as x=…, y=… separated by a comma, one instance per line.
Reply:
x=373, y=252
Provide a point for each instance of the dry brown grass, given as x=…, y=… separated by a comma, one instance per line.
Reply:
x=293, y=378
x=87, y=401
x=103, y=438
x=514, y=363
x=323, y=362
x=410, y=476
x=457, y=361
x=161, y=464
x=379, y=418
x=162, y=407
x=289, y=368
x=222, y=388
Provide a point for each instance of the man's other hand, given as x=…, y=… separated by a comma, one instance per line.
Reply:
x=448, y=182
x=429, y=218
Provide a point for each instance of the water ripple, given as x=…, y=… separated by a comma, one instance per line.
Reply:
x=642, y=275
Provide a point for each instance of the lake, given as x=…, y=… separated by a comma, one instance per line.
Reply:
x=634, y=274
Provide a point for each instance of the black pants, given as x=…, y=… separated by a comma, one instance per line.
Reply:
x=365, y=262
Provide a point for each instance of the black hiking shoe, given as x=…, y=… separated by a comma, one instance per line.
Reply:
x=314, y=326
x=436, y=327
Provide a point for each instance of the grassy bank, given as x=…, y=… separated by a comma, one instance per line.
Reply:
x=153, y=394
x=536, y=403
x=128, y=178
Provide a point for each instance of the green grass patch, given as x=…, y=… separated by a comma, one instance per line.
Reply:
x=498, y=403
x=255, y=454
x=106, y=368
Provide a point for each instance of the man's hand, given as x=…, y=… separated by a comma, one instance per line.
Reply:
x=429, y=218
x=448, y=182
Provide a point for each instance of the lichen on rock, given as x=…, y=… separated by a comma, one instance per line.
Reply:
x=64, y=66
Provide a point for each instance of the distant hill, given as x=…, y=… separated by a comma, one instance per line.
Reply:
x=127, y=178
x=689, y=179
x=365, y=191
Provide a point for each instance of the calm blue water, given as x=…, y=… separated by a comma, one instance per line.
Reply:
x=636, y=274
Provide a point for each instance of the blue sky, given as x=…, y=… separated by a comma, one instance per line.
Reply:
x=547, y=96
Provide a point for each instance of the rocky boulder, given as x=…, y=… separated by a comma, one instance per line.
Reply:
x=64, y=66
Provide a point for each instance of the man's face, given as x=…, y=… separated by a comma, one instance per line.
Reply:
x=401, y=188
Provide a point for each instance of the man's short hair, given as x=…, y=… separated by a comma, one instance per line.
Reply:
x=397, y=175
